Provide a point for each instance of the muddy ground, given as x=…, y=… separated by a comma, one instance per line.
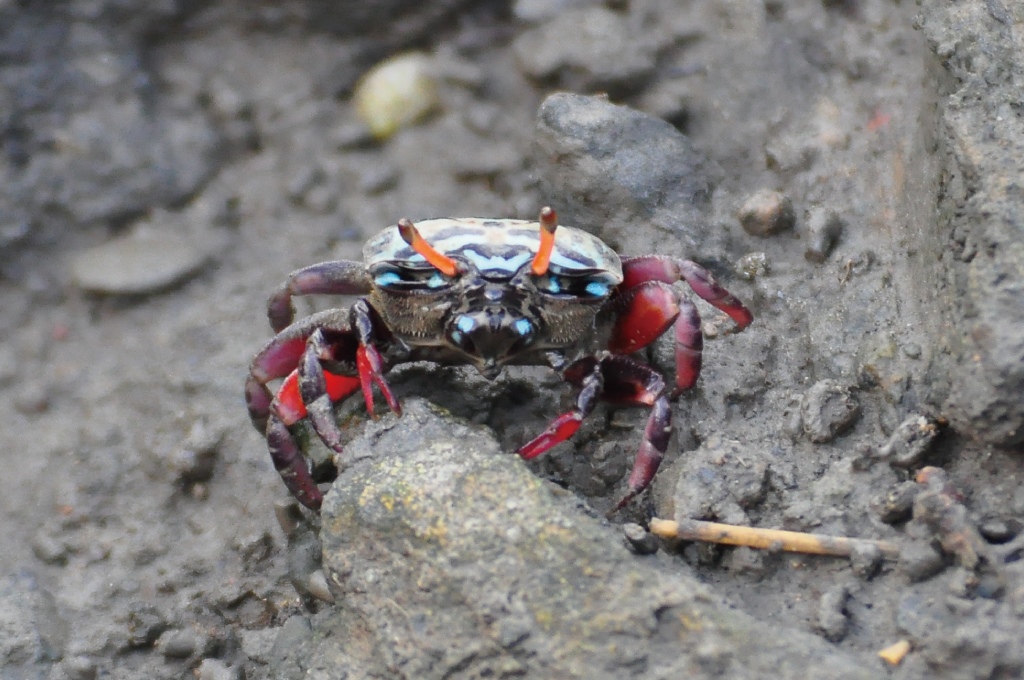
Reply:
x=139, y=528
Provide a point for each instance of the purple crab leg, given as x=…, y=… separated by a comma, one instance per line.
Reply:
x=630, y=383
x=637, y=270
x=291, y=465
x=313, y=390
x=340, y=277
x=565, y=425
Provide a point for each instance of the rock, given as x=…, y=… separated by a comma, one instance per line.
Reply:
x=145, y=261
x=286, y=655
x=215, y=669
x=910, y=441
x=639, y=539
x=829, y=409
x=194, y=460
x=627, y=177
x=591, y=49
x=50, y=549
x=919, y=560
x=824, y=228
x=258, y=645
x=430, y=526
x=832, y=621
x=897, y=503
x=982, y=208
x=145, y=625
x=767, y=213
x=720, y=480
x=32, y=635
x=752, y=266
x=79, y=668
x=179, y=644
x=865, y=560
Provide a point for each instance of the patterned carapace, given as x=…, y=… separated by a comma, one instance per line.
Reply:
x=487, y=293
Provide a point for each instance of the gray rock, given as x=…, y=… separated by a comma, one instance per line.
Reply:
x=829, y=409
x=865, y=559
x=591, y=49
x=639, y=539
x=625, y=176
x=180, y=644
x=215, y=669
x=832, y=621
x=720, y=480
x=910, y=442
x=428, y=532
x=767, y=213
x=897, y=503
x=143, y=262
x=982, y=213
x=32, y=634
x=919, y=560
x=286, y=655
x=824, y=228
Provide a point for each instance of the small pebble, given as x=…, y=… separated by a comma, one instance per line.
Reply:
x=767, y=213
x=639, y=539
x=194, y=461
x=318, y=587
x=178, y=644
x=865, y=560
x=912, y=350
x=894, y=654
x=910, y=441
x=919, y=560
x=752, y=266
x=79, y=668
x=996, y=531
x=215, y=669
x=824, y=228
x=897, y=504
x=396, y=93
x=50, y=550
x=832, y=619
x=829, y=409
x=145, y=261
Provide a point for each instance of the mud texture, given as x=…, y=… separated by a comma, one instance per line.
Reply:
x=876, y=394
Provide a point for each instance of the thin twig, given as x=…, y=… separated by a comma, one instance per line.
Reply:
x=768, y=539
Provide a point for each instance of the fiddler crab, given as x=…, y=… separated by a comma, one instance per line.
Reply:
x=488, y=293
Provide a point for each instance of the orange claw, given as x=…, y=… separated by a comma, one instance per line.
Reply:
x=548, y=224
x=443, y=263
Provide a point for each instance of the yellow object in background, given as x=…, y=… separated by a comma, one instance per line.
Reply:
x=396, y=93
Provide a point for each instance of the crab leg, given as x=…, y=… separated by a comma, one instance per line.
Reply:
x=368, y=359
x=637, y=270
x=290, y=464
x=326, y=278
x=630, y=383
x=314, y=393
x=278, y=358
x=621, y=381
x=565, y=425
x=646, y=311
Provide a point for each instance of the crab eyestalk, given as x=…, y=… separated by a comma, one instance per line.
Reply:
x=410, y=235
x=548, y=224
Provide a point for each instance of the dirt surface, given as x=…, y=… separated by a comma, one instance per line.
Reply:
x=848, y=169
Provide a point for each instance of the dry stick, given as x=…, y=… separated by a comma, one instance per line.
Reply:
x=768, y=539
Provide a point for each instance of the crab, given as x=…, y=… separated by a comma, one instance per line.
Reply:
x=488, y=293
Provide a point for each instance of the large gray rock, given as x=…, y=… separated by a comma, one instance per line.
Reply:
x=982, y=210
x=632, y=179
x=450, y=559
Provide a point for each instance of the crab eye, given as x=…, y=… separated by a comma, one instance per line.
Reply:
x=406, y=278
x=585, y=287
